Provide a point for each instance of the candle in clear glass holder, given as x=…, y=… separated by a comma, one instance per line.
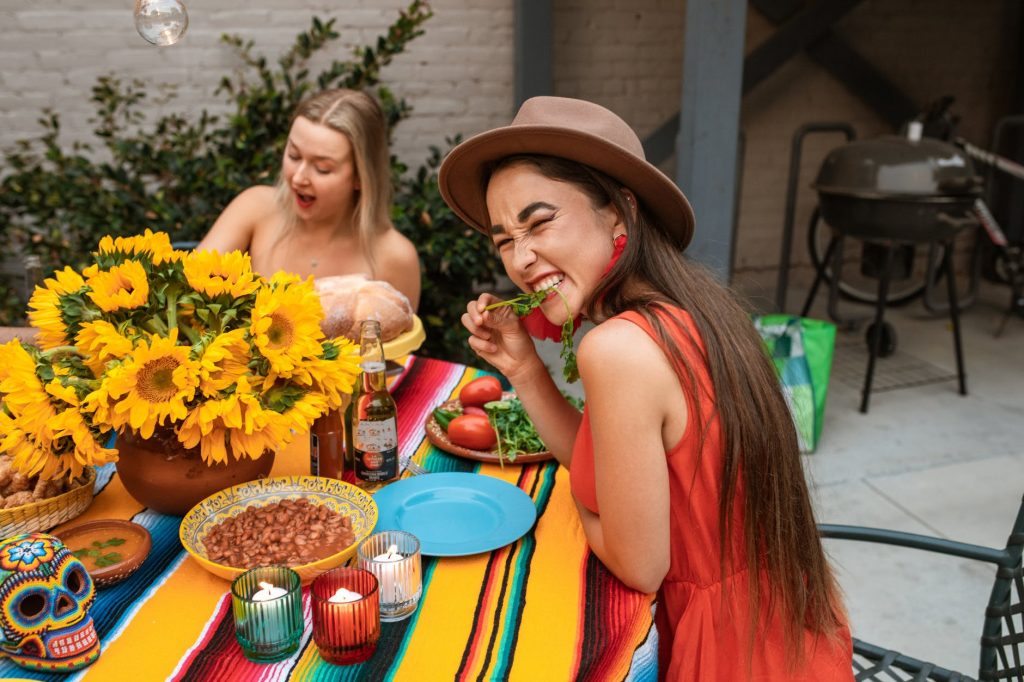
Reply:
x=267, y=606
x=394, y=557
x=346, y=615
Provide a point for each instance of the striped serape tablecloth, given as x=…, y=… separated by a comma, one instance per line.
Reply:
x=542, y=608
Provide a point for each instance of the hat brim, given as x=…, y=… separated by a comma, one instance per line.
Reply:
x=463, y=186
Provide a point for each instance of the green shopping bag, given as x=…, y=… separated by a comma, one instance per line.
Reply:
x=801, y=349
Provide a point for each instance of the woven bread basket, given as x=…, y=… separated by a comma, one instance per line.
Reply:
x=45, y=514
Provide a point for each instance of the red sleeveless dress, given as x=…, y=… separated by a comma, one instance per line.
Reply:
x=703, y=621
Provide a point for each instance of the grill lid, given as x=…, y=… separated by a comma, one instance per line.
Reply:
x=891, y=166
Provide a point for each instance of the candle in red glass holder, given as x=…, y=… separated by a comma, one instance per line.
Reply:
x=346, y=615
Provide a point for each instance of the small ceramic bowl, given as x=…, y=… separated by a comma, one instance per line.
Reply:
x=343, y=498
x=111, y=549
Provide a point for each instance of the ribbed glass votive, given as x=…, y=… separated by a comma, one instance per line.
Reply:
x=346, y=615
x=267, y=606
x=394, y=557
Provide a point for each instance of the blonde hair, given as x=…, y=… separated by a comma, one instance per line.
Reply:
x=357, y=116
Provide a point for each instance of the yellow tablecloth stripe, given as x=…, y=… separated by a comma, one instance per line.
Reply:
x=553, y=592
x=166, y=625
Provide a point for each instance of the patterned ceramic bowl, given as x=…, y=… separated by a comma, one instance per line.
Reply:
x=336, y=495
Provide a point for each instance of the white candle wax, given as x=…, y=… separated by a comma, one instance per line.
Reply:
x=268, y=592
x=343, y=596
x=390, y=583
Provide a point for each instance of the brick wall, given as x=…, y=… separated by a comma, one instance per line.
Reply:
x=625, y=54
x=457, y=76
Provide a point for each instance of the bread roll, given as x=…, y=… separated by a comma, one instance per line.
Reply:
x=347, y=300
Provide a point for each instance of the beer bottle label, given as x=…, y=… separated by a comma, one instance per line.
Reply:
x=376, y=450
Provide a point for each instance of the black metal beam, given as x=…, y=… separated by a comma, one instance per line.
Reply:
x=865, y=81
x=796, y=34
x=837, y=57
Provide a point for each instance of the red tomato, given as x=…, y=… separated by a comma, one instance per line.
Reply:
x=472, y=431
x=473, y=409
x=480, y=391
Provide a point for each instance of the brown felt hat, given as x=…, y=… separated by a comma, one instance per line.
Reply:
x=570, y=129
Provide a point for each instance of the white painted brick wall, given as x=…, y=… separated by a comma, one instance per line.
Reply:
x=457, y=75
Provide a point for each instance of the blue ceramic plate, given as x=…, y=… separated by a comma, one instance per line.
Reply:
x=455, y=514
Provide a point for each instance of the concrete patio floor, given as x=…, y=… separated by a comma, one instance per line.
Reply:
x=927, y=460
x=923, y=459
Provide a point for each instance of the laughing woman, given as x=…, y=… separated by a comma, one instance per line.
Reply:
x=684, y=465
x=328, y=214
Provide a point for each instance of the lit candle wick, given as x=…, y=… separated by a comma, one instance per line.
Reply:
x=390, y=555
x=343, y=596
x=269, y=592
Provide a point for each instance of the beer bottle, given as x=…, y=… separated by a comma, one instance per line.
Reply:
x=327, y=445
x=374, y=425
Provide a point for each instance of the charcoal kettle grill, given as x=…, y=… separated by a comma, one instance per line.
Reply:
x=894, y=193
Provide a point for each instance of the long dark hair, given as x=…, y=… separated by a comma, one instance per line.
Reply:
x=761, y=450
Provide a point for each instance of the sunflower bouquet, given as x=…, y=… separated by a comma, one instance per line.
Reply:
x=149, y=336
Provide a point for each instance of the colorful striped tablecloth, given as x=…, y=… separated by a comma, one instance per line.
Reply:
x=542, y=608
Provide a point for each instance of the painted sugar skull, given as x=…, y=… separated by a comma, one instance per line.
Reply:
x=45, y=595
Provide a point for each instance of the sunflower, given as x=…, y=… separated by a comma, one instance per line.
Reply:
x=22, y=392
x=45, y=312
x=101, y=342
x=26, y=411
x=61, y=392
x=204, y=426
x=286, y=323
x=214, y=274
x=238, y=419
x=80, y=443
x=262, y=429
x=334, y=373
x=157, y=245
x=122, y=287
x=223, y=362
x=152, y=386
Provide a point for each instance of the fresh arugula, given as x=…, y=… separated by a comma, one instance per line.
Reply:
x=524, y=303
x=101, y=559
x=516, y=434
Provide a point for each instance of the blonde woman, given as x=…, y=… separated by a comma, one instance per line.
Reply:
x=328, y=214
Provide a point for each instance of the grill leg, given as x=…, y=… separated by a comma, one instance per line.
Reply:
x=819, y=275
x=876, y=336
x=954, y=316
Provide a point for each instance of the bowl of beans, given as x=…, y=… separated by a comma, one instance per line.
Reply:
x=309, y=523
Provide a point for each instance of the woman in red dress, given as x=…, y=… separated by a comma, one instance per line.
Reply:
x=684, y=464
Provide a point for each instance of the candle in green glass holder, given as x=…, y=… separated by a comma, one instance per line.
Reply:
x=267, y=606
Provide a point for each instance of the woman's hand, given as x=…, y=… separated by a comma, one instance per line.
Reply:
x=499, y=337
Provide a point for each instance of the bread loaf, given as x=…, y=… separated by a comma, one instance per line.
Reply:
x=347, y=300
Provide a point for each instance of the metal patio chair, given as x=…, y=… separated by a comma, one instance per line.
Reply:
x=1002, y=636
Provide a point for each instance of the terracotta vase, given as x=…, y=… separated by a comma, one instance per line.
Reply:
x=167, y=477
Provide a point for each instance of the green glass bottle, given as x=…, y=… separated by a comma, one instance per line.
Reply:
x=374, y=414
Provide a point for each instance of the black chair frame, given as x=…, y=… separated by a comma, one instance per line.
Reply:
x=1002, y=637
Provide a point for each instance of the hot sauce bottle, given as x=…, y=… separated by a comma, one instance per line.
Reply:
x=374, y=415
x=327, y=445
